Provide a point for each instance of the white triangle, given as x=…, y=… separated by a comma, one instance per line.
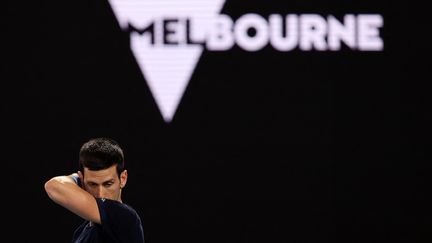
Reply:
x=167, y=68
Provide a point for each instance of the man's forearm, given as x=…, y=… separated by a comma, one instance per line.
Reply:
x=64, y=191
x=59, y=185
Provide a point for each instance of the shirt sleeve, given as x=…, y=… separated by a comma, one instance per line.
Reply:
x=120, y=221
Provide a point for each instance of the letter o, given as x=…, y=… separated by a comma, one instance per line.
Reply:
x=251, y=21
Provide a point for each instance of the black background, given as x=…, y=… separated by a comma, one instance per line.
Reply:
x=265, y=146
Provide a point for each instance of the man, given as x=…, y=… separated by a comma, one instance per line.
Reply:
x=94, y=194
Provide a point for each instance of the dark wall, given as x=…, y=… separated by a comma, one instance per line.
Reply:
x=264, y=147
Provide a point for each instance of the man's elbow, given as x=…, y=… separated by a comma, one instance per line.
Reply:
x=51, y=188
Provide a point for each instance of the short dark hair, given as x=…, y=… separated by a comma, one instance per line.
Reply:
x=101, y=153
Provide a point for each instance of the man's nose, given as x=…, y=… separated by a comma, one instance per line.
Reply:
x=99, y=192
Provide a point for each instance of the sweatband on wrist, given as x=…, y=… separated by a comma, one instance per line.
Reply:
x=76, y=179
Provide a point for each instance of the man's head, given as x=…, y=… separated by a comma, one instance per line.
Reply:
x=101, y=168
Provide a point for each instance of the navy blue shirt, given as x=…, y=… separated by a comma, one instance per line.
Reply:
x=119, y=223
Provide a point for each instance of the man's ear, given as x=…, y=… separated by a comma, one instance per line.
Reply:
x=123, y=178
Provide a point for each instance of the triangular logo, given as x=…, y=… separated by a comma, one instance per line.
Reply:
x=161, y=42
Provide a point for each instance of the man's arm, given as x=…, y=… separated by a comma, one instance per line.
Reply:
x=64, y=191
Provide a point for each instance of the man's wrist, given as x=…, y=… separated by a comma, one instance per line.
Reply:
x=76, y=179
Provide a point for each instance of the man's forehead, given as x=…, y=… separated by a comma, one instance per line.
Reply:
x=106, y=174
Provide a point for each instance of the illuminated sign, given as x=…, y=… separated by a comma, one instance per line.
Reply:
x=168, y=37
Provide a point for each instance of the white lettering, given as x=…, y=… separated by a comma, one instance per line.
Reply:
x=279, y=40
x=338, y=32
x=252, y=32
x=246, y=23
x=220, y=38
x=368, y=32
x=313, y=30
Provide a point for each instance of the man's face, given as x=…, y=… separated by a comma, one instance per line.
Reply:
x=104, y=183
